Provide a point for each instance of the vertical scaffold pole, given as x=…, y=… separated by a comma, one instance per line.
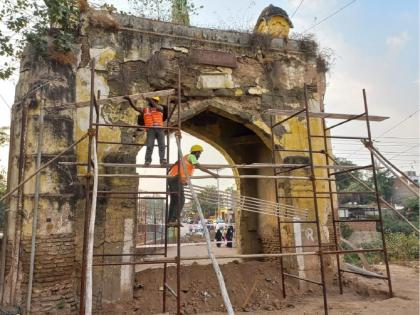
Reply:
x=165, y=219
x=87, y=191
x=334, y=219
x=315, y=201
x=378, y=199
x=273, y=160
x=178, y=238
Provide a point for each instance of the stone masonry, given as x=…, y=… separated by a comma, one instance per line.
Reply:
x=228, y=80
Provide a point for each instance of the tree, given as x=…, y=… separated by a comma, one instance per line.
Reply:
x=385, y=181
x=4, y=138
x=411, y=209
x=47, y=26
x=345, y=182
x=176, y=11
x=208, y=201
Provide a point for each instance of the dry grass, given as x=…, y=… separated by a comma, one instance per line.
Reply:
x=259, y=40
x=103, y=20
x=83, y=5
x=62, y=57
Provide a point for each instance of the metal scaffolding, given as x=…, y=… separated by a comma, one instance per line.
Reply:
x=284, y=213
x=330, y=163
x=280, y=208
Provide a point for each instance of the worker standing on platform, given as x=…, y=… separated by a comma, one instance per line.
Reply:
x=153, y=117
x=178, y=180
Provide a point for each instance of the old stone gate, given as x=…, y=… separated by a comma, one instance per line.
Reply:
x=228, y=80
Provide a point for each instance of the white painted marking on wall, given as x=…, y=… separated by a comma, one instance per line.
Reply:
x=309, y=233
x=298, y=242
x=127, y=270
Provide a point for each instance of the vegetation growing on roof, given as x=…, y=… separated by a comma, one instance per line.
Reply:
x=260, y=41
x=310, y=47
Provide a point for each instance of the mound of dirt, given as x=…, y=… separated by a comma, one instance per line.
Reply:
x=255, y=288
x=252, y=285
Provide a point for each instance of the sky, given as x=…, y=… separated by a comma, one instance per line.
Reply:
x=375, y=46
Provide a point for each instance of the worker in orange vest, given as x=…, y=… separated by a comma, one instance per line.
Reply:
x=178, y=180
x=152, y=116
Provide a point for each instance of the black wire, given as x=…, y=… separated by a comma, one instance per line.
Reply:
x=297, y=8
x=401, y=122
x=330, y=16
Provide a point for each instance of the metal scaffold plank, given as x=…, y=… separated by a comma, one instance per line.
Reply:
x=286, y=112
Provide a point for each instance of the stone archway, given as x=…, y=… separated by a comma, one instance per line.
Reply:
x=228, y=80
x=239, y=145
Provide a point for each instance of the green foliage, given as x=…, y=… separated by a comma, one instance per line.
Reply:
x=346, y=183
x=166, y=10
x=4, y=138
x=400, y=246
x=411, y=209
x=3, y=189
x=206, y=197
x=27, y=21
x=346, y=230
x=393, y=224
x=385, y=183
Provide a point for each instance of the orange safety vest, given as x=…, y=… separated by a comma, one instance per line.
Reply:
x=152, y=117
x=190, y=169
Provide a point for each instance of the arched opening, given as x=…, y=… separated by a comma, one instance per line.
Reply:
x=226, y=141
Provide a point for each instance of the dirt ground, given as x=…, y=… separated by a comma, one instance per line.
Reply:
x=255, y=288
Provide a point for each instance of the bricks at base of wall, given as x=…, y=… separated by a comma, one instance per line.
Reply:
x=54, y=284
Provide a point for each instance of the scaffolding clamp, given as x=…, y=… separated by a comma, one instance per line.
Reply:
x=91, y=132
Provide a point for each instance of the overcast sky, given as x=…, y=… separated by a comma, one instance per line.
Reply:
x=376, y=47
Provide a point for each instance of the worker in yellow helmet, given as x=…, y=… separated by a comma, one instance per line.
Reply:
x=178, y=180
x=152, y=117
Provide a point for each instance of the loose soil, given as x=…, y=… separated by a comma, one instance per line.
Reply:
x=255, y=288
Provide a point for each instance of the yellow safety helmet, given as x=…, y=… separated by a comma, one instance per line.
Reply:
x=156, y=98
x=197, y=148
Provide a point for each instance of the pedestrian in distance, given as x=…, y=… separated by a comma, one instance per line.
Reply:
x=229, y=237
x=219, y=237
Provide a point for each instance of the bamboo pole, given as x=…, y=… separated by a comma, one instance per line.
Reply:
x=91, y=232
x=212, y=257
x=35, y=211
x=43, y=167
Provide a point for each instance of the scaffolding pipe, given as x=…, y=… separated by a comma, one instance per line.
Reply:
x=35, y=211
x=221, y=176
x=91, y=232
x=216, y=267
x=208, y=166
x=43, y=167
x=382, y=199
x=393, y=169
